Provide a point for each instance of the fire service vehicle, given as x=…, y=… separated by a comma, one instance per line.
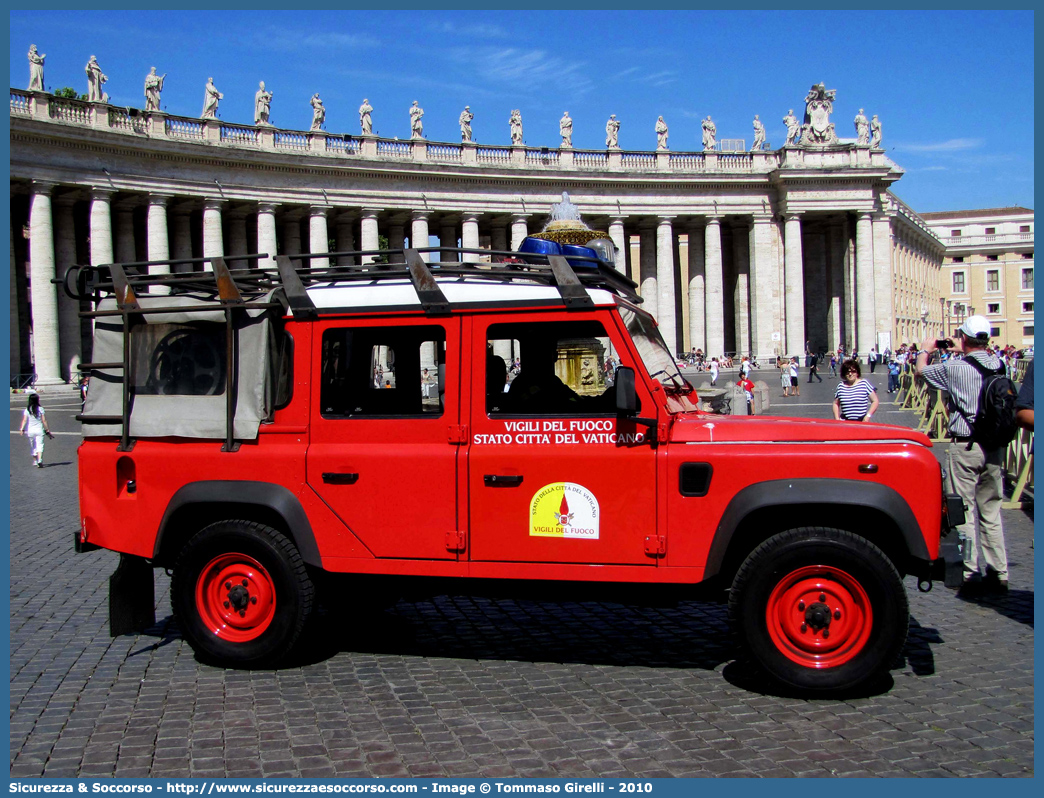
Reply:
x=492, y=416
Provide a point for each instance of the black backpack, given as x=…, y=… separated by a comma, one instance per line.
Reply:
x=994, y=425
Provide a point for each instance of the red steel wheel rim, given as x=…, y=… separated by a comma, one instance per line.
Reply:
x=819, y=617
x=235, y=598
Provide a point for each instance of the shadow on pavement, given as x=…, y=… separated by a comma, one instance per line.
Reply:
x=1015, y=604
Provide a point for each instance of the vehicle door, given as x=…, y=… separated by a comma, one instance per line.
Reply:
x=383, y=450
x=553, y=475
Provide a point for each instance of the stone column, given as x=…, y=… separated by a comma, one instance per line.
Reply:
x=884, y=312
x=68, y=308
x=715, y=289
x=292, y=232
x=182, y=238
x=368, y=232
x=267, y=241
x=837, y=248
x=237, y=239
x=419, y=232
x=158, y=241
x=648, y=286
x=498, y=237
x=101, y=226
x=864, y=284
x=741, y=296
x=213, y=237
x=396, y=235
x=469, y=235
x=15, y=318
x=519, y=230
x=665, y=298
x=46, y=346
x=697, y=289
x=794, y=280
x=124, y=224
x=764, y=274
x=448, y=238
x=318, y=237
x=345, y=238
x=619, y=238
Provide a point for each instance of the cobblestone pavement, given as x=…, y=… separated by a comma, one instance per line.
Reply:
x=471, y=686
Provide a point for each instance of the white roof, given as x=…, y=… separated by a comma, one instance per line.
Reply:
x=458, y=291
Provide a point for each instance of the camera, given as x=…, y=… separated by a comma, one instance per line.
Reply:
x=944, y=343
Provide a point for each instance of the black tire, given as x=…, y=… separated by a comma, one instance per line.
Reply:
x=241, y=594
x=779, y=616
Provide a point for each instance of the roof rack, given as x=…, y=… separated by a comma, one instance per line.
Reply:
x=570, y=276
x=286, y=287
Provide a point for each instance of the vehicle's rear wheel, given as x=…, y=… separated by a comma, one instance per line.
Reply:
x=820, y=610
x=241, y=593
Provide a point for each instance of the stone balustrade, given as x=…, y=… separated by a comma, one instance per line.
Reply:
x=129, y=121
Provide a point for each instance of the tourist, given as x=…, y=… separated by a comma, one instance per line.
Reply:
x=714, y=370
x=855, y=398
x=34, y=425
x=793, y=371
x=974, y=470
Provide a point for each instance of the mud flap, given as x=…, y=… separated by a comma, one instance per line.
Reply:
x=950, y=553
x=132, y=596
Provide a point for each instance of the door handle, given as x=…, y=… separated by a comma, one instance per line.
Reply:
x=502, y=480
x=333, y=478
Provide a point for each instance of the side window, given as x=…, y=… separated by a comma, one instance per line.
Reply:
x=550, y=369
x=382, y=372
x=178, y=359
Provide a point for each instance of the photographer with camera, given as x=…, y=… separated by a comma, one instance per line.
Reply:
x=973, y=455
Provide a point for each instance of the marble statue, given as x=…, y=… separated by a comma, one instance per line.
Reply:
x=875, y=132
x=465, y=123
x=153, y=87
x=759, y=134
x=612, y=132
x=36, y=63
x=416, y=126
x=516, y=127
x=262, y=106
x=793, y=128
x=210, y=100
x=95, y=79
x=710, y=134
x=318, y=112
x=862, y=128
x=661, y=134
x=565, y=127
x=818, y=129
x=365, y=120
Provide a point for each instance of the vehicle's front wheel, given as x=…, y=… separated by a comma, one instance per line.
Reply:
x=241, y=593
x=820, y=610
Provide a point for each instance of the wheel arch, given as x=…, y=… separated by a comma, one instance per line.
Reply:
x=199, y=504
x=763, y=509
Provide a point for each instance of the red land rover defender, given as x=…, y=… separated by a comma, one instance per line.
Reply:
x=249, y=429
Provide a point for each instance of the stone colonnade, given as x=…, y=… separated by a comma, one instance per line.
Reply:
x=739, y=283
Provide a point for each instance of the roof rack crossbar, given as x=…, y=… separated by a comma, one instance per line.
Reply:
x=300, y=303
x=569, y=286
x=428, y=292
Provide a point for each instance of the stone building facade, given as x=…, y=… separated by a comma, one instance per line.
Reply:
x=988, y=269
x=757, y=251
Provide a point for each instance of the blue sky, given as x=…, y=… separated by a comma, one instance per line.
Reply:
x=953, y=89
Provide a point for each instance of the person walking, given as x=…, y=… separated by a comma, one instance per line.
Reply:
x=795, y=386
x=833, y=364
x=748, y=393
x=855, y=398
x=714, y=370
x=871, y=359
x=34, y=425
x=813, y=368
x=974, y=470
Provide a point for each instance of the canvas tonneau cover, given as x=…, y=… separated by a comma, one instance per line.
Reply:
x=178, y=375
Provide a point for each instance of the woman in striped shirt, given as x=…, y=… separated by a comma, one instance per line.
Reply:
x=855, y=398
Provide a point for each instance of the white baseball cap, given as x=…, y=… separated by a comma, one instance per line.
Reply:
x=976, y=327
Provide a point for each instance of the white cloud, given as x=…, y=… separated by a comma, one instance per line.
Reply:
x=534, y=68
x=480, y=30
x=950, y=145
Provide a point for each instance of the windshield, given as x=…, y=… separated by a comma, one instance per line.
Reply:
x=658, y=360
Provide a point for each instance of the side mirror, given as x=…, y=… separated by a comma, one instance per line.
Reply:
x=626, y=396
